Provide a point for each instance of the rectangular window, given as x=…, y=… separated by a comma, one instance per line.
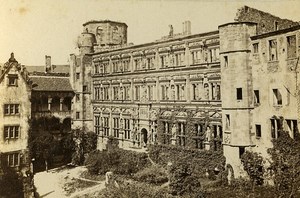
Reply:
x=77, y=115
x=106, y=126
x=225, y=61
x=197, y=56
x=84, y=88
x=258, y=130
x=164, y=61
x=116, y=93
x=77, y=76
x=127, y=92
x=11, y=109
x=167, y=133
x=277, y=98
x=273, y=50
x=11, y=132
x=255, y=48
x=106, y=93
x=275, y=127
x=239, y=93
x=256, y=97
x=97, y=125
x=227, y=122
x=181, y=134
x=291, y=47
x=151, y=92
x=13, y=159
x=127, y=129
x=292, y=127
x=137, y=92
x=116, y=127
x=12, y=80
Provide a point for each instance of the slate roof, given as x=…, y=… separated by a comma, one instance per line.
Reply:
x=50, y=83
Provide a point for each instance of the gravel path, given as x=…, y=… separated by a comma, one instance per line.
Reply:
x=51, y=184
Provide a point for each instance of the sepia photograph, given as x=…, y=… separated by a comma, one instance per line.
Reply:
x=149, y=99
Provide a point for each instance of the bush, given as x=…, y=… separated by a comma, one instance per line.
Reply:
x=116, y=160
x=183, y=179
x=152, y=175
x=200, y=161
x=134, y=190
x=11, y=184
x=253, y=165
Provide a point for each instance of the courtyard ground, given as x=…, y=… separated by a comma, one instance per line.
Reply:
x=65, y=182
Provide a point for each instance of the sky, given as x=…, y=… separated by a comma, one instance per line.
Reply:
x=35, y=28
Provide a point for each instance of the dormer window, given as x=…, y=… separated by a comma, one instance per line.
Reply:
x=12, y=80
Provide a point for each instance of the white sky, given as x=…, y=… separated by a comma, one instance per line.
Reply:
x=35, y=28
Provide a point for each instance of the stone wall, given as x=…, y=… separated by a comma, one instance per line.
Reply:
x=265, y=22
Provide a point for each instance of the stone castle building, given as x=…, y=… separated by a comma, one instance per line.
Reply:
x=36, y=101
x=191, y=90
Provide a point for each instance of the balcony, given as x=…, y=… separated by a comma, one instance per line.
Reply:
x=58, y=114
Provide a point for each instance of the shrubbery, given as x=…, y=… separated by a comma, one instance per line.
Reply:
x=11, y=184
x=116, y=160
x=286, y=164
x=200, y=161
x=135, y=190
x=152, y=175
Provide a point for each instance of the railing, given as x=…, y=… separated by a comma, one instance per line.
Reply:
x=58, y=114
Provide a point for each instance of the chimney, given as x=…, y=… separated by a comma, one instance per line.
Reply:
x=48, y=64
x=186, y=27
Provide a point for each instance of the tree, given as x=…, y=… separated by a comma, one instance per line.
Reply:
x=253, y=165
x=286, y=164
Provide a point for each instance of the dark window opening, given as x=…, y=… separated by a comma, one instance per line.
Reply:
x=277, y=98
x=239, y=93
x=258, y=130
x=255, y=48
x=256, y=97
x=225, y=61
x=241, y=151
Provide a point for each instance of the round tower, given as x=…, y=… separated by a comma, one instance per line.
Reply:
x=86, y=42
x=237, y=91
x=107, y=33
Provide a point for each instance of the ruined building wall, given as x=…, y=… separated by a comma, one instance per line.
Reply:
x=265, y=22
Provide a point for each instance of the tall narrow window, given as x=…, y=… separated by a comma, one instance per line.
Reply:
x=225, y=61
x=255, y=48
x=239, y=93
x=273, y=50
x=227, y=122
x=275, y=127
x=258, y=130
x=291, y=47
x=256, y=97
x=77, y=115
x=277, y=98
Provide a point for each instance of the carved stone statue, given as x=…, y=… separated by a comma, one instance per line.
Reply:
x=171, y=32
x=174, y=131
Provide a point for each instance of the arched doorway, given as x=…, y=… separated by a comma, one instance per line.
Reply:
x=144, y=136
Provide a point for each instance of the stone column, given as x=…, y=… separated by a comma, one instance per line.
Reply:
x=49, y=103
x=110, y=122
x=157, y=96
x=188, y=89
